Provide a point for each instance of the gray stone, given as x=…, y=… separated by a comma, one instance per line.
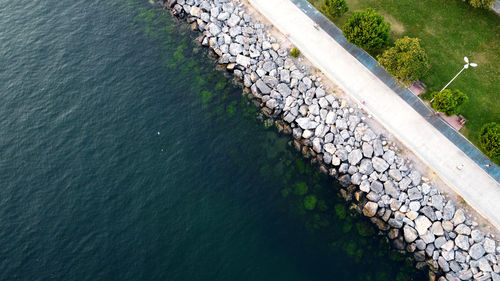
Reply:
x=379, y=164
x=465, y=275
x=368, y=135
x=341, y=124
x=345, y=180
x=271, y=103
x=263, y=88
x=306, y=123
x=365, y=186
x=414, y=206
x=233, y=20
x=462, y=242
x=428, y=237
x=459, y=217
x=395, y=223
x=414, y=194
x=489, y=246
x=484, y=265
x=448, y=211
x=415, y=177
x=370, y=209
x=378, y=150
x=316, y=144
x=395, y=174
x=223, y=16
x=330, y=148
x=367, y=150
x=477, y=236
x=391, y=189
x=307, y=134
x=410, y=234
x=284, y=90
x=437, y=202
x=448, y=255
x=404, y=183
x=330, y=117
x=366, y=167
x=243, y=60
x=439, y=242
x=389, y=156
x=377, y=187
x=422, y=223
x=354, y=157
x=443, y=264
x=429, y=213
x=437, y=229
x=462, y=229
x=476, y=251
x=213, y=29
x=320, y=93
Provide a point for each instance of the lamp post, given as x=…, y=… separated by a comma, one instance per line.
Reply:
x=463, y=68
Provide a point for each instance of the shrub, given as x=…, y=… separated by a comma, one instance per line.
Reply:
x=335, y=8
x=367, y=29
x=295, y=53
x=448, y=101
x=485, y=4
x=406, y=61
x=489, y=139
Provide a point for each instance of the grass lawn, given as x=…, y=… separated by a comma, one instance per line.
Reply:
x=449, y=30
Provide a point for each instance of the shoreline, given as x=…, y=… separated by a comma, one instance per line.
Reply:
x=328, y=128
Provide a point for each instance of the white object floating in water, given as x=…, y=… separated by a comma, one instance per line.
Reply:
x=158, y=133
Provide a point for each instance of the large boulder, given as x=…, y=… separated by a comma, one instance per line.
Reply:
x=354, y=157
x=410, y=234
x=370, y=209
x=306, y=123
x=422, y=223
x=379, y=164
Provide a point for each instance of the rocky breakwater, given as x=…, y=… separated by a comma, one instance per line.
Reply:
x=380, y=182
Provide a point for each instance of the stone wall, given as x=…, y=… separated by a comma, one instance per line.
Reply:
x=381, y=183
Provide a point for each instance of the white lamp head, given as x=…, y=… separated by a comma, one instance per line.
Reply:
x=466, y=60
x=466, y=66
x=473, y=64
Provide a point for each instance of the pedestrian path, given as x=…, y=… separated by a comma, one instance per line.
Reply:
x=371, y=64
x=403, y=114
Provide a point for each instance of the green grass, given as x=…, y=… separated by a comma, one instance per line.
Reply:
x=449, y=30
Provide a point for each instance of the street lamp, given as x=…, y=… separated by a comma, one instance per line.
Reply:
x=463, y=68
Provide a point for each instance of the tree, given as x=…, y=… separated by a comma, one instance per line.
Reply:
x=489, y=139
x=485, y=4
x=406, y=61
x=448, y=101
x=335, y=8
x=367, y=29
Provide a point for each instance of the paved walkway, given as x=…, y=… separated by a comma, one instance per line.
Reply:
x=472, y=183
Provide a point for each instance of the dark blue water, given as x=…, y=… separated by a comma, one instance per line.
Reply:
x=126, y=156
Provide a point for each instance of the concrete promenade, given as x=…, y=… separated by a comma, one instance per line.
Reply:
x=472, y=183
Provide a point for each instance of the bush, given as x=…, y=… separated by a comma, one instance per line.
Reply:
x=485, y=4
x=295, y=53
x=406, y=61
x=367, y=29
x=448, y=101
x=489, y=139
x=335, y=8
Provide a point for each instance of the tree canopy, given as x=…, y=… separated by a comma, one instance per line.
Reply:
x=406, y=61
x=367, y=29
x=335, y=8
x=449, y=101
x=489, y=139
